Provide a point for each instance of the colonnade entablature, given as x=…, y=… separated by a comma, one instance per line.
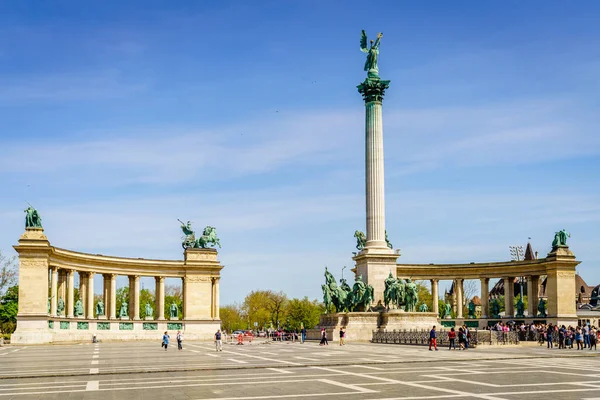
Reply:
x=558, y=268
x=47, y=291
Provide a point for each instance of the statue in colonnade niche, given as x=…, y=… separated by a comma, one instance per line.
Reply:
x=495, y=308
x=173, y=311
x=60, y=308
x=471, y=308
x=123, y=313
x=423, y=308
x=520, y=308
x=100, y=308
x=149, y=310
x=78, y=309
x=541, y=308
x=447, y=310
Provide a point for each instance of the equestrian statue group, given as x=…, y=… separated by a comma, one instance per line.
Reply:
x=344, y=298
x=208, y=239
x=401, y=294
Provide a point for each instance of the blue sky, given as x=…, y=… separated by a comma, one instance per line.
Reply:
x=117, y=118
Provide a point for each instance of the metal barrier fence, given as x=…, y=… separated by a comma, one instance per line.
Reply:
x=418, y=337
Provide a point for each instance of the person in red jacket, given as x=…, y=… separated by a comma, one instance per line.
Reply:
x=452, y=339
x=433, y=339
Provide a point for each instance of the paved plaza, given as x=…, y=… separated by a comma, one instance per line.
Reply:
x=293, y=370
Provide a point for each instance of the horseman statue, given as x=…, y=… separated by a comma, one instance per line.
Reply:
x=361, y=240
x=208, y=239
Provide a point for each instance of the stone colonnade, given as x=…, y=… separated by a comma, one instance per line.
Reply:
x=559, y=268
x=62, y=286
x=47, y=289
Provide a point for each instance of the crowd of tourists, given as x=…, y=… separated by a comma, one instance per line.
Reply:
x=561, y=336
x=463, y=335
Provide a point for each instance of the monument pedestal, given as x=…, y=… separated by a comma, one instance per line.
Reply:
x=149, y=318
x=400, y=320
x=374, y=265
x=101, y=317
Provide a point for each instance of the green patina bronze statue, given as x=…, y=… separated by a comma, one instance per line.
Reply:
x=123, y=313
x=174, y=311
x=149, y=310
x=495, y=308
x=60, y=308
x=207, y=240
x=391, y=286
x=423, y=308
x=520, y=308
x=411, y=295
x=560, y=239
x=447, y=310
x=78, y=309
x=471, y=309
x=389, y=245
x=541, y=308
x=32, y=218
x=361, y=240
x=371, y=64
x=100, y=308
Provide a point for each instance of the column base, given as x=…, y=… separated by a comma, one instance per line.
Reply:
x=101, y=317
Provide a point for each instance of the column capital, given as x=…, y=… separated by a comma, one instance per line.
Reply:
x=373, y=89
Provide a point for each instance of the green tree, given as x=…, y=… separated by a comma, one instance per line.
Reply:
x=425, y=296
x=303, y=312
x=232, y=318
x=9, y=306
x=8, y=272
x=255, y=308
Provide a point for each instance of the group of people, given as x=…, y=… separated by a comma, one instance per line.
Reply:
x=166, y=337
x=585, y=336
x=463, y=334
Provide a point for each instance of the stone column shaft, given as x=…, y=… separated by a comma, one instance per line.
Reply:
x=533, y=283
x=485, y=295
x=136, y=297
x=89, y=302
x=160, y=297
x=459, y=297
x=70, y=293
x=83, y=288
x=62, y=286
x=509, y=295
x=54, y=291
x=216, y=299
x=106, y=294
x=113, y=296
x=435, y=295
x=375, y=187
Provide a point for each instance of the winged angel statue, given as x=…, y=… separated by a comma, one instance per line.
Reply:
x=372, y=54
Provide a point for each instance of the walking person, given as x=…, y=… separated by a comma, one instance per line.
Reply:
x=549, y=332
x=593, y=338
x=218, y=341
x=323, y=341
x=342, y=336
x=452, y=339
x=179, y=340
x=165, y=340
x=433, y=339
x=579, y=339
x=303, y=333
x=461, y=339
x=586, y=335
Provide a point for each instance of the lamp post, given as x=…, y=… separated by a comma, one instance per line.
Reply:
x=343, y=268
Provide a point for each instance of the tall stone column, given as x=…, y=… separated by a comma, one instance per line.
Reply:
x=89, y=302
x=459, y=297
x=485, y=295
x=83, y=288
x=70, y=293
x=136, y=298
x=184, y=299
x=54, y=291
x=216, y=298
x=376, y=260
x=113, y=296
x=509, y=296
x=62, y=286
x=106, y=294
x=435, y=296
x=160, y=297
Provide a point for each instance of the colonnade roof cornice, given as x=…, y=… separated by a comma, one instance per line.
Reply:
x=100, y=264
x=482, y=270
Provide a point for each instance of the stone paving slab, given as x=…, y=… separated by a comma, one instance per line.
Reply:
x=294, y=370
